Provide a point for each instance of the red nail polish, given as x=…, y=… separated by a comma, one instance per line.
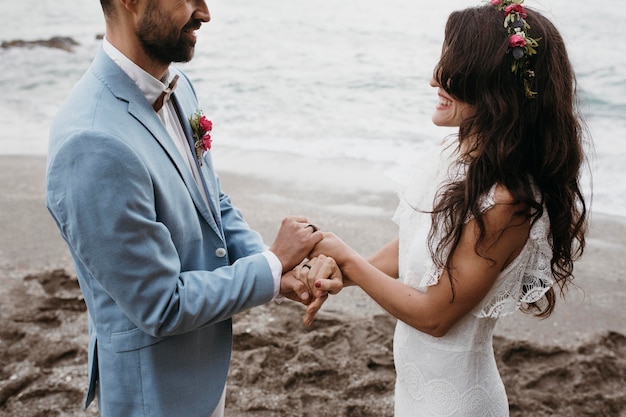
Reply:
x=318, y=284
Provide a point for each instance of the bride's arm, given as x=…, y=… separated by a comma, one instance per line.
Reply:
x=435, y=312
x=386, y=259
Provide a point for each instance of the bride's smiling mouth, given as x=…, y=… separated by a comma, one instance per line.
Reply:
x=444, y=102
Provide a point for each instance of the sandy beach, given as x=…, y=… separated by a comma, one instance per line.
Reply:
x=572, y=364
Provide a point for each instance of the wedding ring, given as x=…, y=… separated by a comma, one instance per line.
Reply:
x=307, y=265
x=312, y=226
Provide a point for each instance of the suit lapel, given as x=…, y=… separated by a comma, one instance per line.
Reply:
x=154, y=125
x=211, y=193
x=125, y=89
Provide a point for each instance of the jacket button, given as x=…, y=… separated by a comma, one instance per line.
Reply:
x=220, y=252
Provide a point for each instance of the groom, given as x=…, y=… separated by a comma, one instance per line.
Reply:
x=162, y=257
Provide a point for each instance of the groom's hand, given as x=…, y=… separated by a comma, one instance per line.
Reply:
x=296, y=290
x=295, y=239
x=292, y=288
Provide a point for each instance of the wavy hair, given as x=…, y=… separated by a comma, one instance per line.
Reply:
x=511, y=139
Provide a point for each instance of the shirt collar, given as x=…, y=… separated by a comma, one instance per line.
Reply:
x=149, y=86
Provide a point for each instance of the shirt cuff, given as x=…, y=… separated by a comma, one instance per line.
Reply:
x=277, y=271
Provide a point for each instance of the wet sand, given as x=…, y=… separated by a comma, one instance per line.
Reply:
x=572, y=364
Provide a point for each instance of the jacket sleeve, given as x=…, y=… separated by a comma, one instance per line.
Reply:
x=102, y=197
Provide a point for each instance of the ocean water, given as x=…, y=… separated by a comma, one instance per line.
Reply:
x=325, y=79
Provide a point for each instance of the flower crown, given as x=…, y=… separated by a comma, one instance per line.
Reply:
x=521, y=45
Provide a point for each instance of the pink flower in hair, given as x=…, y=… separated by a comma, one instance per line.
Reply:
x=516, y=41
x=496, y=2
x=515, y=8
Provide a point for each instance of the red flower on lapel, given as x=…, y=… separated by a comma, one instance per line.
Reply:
x=201, y=128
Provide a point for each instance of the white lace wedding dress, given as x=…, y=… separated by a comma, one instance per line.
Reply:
x=456, y=375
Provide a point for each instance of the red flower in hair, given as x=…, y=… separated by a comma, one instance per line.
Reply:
x=521, y=45
x=515, y=8
x=517, y=41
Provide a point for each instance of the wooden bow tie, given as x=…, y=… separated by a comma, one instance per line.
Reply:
x=165, y=95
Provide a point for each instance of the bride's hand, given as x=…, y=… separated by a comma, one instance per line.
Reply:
x=331, y=245
x=321, y=277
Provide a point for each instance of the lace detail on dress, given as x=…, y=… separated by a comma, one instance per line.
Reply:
x=538, y=273
x=525, y=280
x=432, y=272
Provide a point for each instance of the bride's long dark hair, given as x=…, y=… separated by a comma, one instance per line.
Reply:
x=515, y=140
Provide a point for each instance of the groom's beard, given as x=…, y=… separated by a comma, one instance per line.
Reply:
x=161, y=40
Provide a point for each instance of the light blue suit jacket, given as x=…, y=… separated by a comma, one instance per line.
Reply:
x=161, y=272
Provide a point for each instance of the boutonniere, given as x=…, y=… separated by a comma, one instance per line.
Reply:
x=201, y=128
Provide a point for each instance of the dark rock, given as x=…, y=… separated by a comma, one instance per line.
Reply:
x=59, y=42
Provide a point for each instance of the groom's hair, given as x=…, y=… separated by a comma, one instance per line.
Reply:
x=107, y=7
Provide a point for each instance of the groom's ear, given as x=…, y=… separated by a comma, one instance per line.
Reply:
x=134, y=7
x=128, y=13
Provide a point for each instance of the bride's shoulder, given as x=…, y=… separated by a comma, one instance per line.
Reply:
x=502, y=195
x=500, y=207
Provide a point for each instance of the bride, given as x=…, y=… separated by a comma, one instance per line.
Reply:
x=491, y=224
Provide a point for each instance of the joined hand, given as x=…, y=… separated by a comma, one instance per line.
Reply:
x=321, y=276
